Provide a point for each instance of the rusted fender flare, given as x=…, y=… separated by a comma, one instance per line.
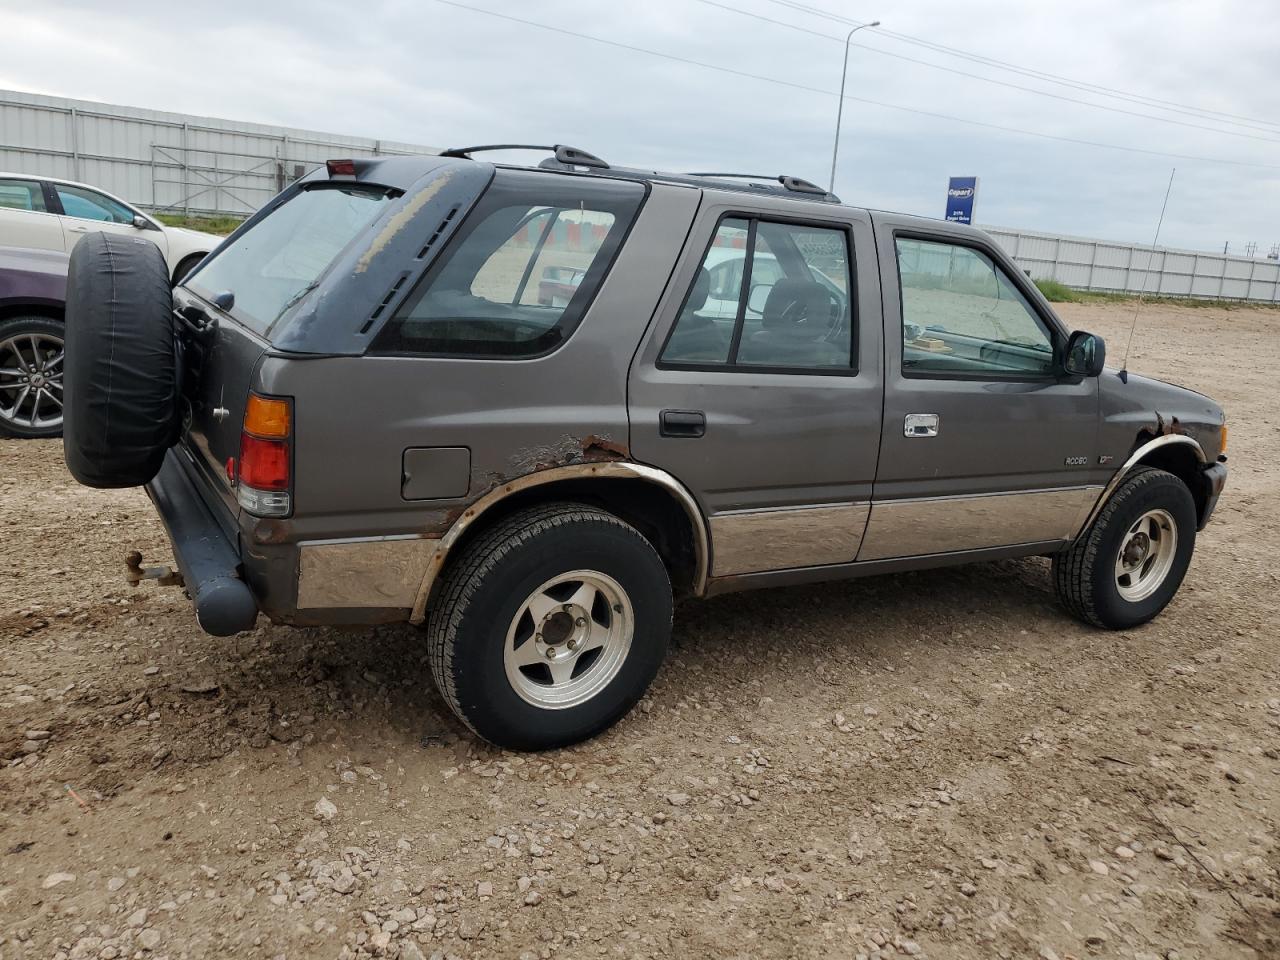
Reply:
x=618, y=469
x=1134, y=459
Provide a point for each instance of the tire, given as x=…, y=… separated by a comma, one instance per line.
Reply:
x=186, y=265
x=1110, y=577
x=484, y=624
x=32, y=365
x=121, y=410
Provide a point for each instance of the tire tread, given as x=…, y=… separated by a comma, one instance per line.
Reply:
x=463, y=578
x=1073, y=569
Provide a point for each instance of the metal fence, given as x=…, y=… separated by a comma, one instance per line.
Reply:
x=1138, y=268
x=167, y=161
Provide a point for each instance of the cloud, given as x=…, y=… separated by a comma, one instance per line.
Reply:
x=426, y=72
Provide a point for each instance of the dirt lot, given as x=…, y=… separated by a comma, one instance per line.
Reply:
x=939, y=764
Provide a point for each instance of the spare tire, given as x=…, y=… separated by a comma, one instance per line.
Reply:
x=121, y=381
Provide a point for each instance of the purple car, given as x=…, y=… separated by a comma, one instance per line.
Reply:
x=33, y=291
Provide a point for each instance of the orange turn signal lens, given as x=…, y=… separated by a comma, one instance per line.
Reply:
x=266, y=418
x=1222, y=448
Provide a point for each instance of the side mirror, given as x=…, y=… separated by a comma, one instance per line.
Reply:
x=141, y=223
x=1086, y=354
x=758, y=297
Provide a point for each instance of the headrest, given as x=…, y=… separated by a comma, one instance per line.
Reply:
x=797, y=307
x=701, y=290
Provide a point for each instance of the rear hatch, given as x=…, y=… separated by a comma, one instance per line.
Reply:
x=244, y=299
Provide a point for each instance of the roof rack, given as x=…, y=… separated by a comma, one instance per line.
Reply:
x=564, y=154
x=794, y=184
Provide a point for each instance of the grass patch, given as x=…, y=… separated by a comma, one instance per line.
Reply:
x=1056, y=292
x=218, y=225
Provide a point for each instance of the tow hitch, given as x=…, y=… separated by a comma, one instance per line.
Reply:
x=163, y=575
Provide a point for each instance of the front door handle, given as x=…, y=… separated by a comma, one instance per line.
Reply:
x=682, y=423
x=920, y=425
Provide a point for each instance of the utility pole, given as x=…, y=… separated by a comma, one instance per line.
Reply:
x=844, y=73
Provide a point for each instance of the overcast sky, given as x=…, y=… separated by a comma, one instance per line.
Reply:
x=427, y=72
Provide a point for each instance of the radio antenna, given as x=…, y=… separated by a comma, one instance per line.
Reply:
x=1124, y=368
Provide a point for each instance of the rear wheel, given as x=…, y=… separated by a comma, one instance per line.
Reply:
x=1127, y=566
x=31, y=361
x=550, y=626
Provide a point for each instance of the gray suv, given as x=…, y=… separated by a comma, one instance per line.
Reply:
x=529, y=407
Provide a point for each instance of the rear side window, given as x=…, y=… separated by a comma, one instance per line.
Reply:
x=768, y=295
x=21, y=195
x=521, y=272
x=276, y=262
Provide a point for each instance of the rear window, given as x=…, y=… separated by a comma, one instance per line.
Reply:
x=522, y=270
x=277, y=261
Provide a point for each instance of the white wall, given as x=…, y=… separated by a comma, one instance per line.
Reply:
x=1137, y=268
x=167, y=161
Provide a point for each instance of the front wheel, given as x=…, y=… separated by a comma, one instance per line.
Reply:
x=550, y=626
x=1127, y=566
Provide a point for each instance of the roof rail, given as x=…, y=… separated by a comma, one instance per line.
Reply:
x=566, y=155
x=794, y=184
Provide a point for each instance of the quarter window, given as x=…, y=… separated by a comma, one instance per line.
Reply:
x=768, y=295
x=962, y=315
x=520, y=274
x=91, y=205
x=21, y=195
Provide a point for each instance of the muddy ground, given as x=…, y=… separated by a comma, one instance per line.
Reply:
x=938, y=764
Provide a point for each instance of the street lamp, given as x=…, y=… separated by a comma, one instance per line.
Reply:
x=835, y=150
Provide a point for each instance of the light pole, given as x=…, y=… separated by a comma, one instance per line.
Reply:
x=844, y=72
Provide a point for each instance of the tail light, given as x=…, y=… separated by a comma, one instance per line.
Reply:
x=341, y=168
x=265, y=477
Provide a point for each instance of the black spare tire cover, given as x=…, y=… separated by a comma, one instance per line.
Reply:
x=121, y=381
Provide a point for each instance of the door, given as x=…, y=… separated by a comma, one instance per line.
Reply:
x=25, y=219
x=986, y=442
x=764, y=400
x=86, y=211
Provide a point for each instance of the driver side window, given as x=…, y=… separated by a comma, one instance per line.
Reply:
x=768, y=295
x=963, y=316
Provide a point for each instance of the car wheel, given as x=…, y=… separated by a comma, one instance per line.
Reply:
x=550, y=626
x=1127, y=566
x=31, y=368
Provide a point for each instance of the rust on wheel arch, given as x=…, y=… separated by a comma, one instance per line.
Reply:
x=610, y=469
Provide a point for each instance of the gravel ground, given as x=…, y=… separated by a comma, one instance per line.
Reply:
x=938, y=764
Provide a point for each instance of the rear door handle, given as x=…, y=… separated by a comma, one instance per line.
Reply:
x=920, y=425
x=682, y=423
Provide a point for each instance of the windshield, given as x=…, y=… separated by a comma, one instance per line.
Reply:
x=275, y=263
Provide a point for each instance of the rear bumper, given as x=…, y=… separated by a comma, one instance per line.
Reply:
x=208, y=560
x=1214, y=479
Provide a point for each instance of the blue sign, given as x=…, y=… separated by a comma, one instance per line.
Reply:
x=961, y=194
